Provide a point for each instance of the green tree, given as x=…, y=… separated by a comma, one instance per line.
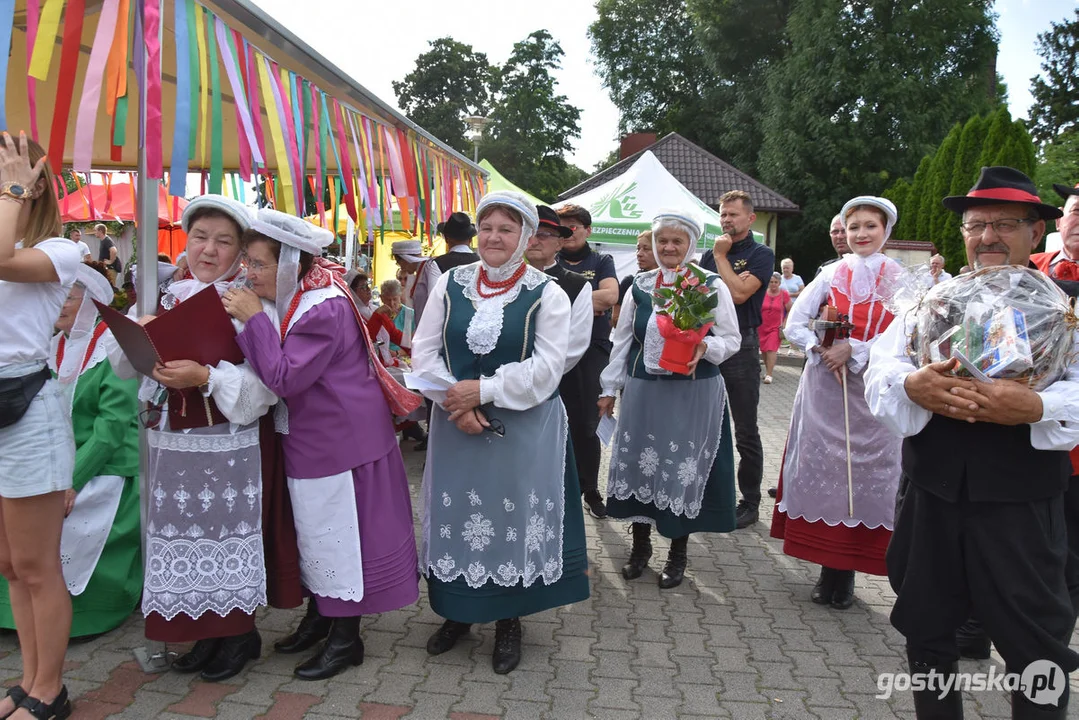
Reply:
x=965, y=172
x=943, y=166
x=1056, y=89
x=899, y=194
x=450, y=82
x=867, y=88
x=997, y=133
x=907, y=229
x=531, y=126
x=1059, y=163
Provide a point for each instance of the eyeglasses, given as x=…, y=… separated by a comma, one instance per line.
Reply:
x=1001, y=227
x=494, y=425
x=150, y=417
x=255, y=266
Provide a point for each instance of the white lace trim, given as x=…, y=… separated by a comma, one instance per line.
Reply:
x=198, y=443
x=485, y=327
x=653, y=347
x=280, y=417
x=310, y=299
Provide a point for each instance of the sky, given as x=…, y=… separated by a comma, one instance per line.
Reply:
x=378, y=42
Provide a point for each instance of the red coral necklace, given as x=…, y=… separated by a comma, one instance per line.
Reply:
x=500, y=287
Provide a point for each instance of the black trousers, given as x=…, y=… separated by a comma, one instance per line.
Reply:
x=580, y=391
x=742, y=377
x=1003, y=563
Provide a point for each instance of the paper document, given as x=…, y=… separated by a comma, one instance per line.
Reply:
x=414, y=382
x=605, y=431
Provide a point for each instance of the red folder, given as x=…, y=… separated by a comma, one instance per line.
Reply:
x=197, y=329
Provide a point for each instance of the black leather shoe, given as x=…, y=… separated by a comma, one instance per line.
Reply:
x=675, y=569
x=507, y=654
x=746, y=515
x=343, y=649
x=17, y=695
x=312, y=628
x=58, y=709
x=825, y=587
x=197, y=657
x=446, y=637
x=232, y=656
x=772, y=492
x=641, y=552
x=843, y=595
x=972, y=640
x=594, y=502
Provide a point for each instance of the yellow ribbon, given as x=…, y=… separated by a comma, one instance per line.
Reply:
x=279, y=148
x=47, y=27
x=204, y=83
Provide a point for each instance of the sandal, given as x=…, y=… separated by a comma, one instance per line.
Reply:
x=58, y=709
x=17, y=695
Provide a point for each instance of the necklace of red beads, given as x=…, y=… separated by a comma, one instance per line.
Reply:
x=500, y=287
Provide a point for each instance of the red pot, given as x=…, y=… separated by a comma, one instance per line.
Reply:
x=679, y=346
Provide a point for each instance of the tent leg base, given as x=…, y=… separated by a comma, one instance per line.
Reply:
x=154, y=658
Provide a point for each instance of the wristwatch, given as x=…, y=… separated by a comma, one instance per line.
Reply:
x=16, y=191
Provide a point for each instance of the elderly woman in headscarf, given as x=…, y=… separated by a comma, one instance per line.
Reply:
x=204, y=569
x=408, y=254
x=392, y=325
x=346, y=477
x=503, y=530
x=100, y=541
x=672, y=457
x=813, y=514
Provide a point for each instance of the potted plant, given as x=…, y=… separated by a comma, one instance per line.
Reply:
x=685, y=312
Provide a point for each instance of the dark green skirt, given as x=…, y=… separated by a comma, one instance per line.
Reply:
x=489, y=602
x=717, y=505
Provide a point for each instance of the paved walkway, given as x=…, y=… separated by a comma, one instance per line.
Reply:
x=739, y=639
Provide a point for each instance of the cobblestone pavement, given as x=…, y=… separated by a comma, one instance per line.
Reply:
x=739, y=639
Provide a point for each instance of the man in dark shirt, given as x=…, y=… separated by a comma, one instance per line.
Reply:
x=107, y=249
x=598, y=269
x=839, y=242
x=745, y=266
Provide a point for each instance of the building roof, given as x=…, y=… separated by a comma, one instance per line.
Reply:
x=703, y=174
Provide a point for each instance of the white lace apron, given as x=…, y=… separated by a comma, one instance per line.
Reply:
x=664, y=459
x=204, y=548
x=87, y=528
x=328, y=535
x=494, y=507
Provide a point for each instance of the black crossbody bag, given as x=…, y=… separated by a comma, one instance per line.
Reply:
x=16, y=394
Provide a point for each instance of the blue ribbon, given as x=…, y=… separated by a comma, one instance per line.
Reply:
x=182, y=128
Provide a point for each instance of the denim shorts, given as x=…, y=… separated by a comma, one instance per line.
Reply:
x=37, y=454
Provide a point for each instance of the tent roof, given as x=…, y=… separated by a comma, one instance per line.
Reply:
x=624, y=206
x=262, y=31
x=498, y=181
x=701, y=172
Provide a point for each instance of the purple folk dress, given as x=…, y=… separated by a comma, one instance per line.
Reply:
x=339, y=429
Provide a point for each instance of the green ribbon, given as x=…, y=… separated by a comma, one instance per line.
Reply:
x=193, y=69
x=217, y=161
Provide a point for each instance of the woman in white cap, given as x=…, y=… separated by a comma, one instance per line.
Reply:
x=672, y=457
x=346, y=477
x=503, y=527
x=205, y=573
x=409, y=257
x=813, y=513
x=100, y=541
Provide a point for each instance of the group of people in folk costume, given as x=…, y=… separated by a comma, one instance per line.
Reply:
x=279, y=477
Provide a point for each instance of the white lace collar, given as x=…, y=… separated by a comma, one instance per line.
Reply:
x=485, y=327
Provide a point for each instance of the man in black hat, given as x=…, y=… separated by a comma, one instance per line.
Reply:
x=542, y=254
x=980, y=527
x=458, y=231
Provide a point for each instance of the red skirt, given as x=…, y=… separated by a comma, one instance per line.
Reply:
x=283, y=588
x=834, y=546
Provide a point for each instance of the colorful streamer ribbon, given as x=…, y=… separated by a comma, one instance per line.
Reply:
x=69, y=63
x=182, y=128
x=86, y=122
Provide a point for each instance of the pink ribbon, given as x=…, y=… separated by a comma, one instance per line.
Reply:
x=86, y=121
x=243, y=111
x=154, y=134
x=288, y=128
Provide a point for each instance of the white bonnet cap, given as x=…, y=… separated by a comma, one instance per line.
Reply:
x=883, y=204
x=97, y=285
x=240, y=213
x=292, y=231
x=688, y=220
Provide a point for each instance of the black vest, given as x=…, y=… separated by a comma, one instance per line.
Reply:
x=571, y=283
x=996, y=462
x=450, y=260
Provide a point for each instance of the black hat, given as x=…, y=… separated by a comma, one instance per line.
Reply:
x=998, y=185
x=548, y=218
x=458, y=227
x=1064, y=191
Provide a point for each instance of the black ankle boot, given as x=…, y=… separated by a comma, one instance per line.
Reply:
x=446, y=637
x=928, y=705
x=972, y=640
x=507, y=652
x=675, y=569
x=1024, y=709
x=197, y=657
x=312, y=628
x=843, y=595
x=825, y=587
x=640, y=553
x=232, y=656
x=342, y=649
